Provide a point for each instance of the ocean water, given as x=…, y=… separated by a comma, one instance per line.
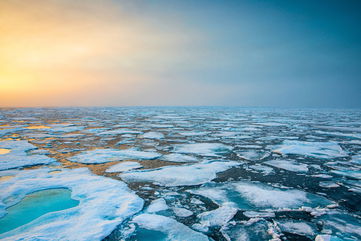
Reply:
x=204, y=173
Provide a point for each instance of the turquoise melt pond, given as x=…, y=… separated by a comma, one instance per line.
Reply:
x=35, y=205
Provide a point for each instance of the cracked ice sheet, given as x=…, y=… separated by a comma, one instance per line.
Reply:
x=109, y=155
x=168, y=226
x=104, y=204
x=184, y=175
x=203, y=149
x=288, y=165
x=18, y=156
x=251, y=196
x=311, y=149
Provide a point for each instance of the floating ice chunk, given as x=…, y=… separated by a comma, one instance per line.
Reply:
x=312, y=149
x=253, y=214
x=168, y=226
x=348, y=173
x=252, y=155
x=217, y=217
x=182, y=212
x=184, y=175
x=18, y=156
x=300, y=228
x=326, y=237
x=176, y=157
x=203, y=149
x=109, y=155
x=193, y=133
x=321, y=175
x=119, y=132
x=329, y=184
x=153, y=135
x=264, y=169
x=123, y=167
x=104, y=204
x=157, y=206
x=64, y=128
x=250, y=196
x=288, y=165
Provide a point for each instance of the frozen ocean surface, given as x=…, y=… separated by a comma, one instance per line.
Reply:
x=180, y=173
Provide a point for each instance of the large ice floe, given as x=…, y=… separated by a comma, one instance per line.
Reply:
x=104, y=203
x=157, y=227
x=203, y=149
x=123, y=167
x=292, y=166
x=18, y=156
x=109, y=155
x=184, y=175
x=248, y=196
x=312, y=149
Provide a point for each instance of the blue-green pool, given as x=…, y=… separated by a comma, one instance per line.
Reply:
x=35, y=205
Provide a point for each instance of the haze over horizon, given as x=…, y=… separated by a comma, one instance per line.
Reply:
x=229, y=53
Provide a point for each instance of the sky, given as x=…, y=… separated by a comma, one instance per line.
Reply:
x=274, y=53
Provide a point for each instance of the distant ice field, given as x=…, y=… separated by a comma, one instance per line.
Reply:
x=180, y=173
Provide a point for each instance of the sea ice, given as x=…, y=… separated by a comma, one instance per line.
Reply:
x=176, y=157
x=153, y=135
x=157, y=206
x=19, y=157
x=104, y=204
x=288, y=165
x=250, y=196
x=312, y=149
x=182, y=212
x=171, y=228
x=184, y=175
x=123, y=167
x=109, y=155
x=203, y=149
x=217, y=217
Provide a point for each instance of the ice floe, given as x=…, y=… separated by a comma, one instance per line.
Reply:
x=217, y=217
x=109, y=155
x=249, y=196
x=153, y=135
x=104, y=204
x=203, y=149
x=312, y=149
x=18, y=155
x=123, y=167
x=184, y=175
x=176, y=157
x=157, y=206
x=172, y=229
x=292, y=166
